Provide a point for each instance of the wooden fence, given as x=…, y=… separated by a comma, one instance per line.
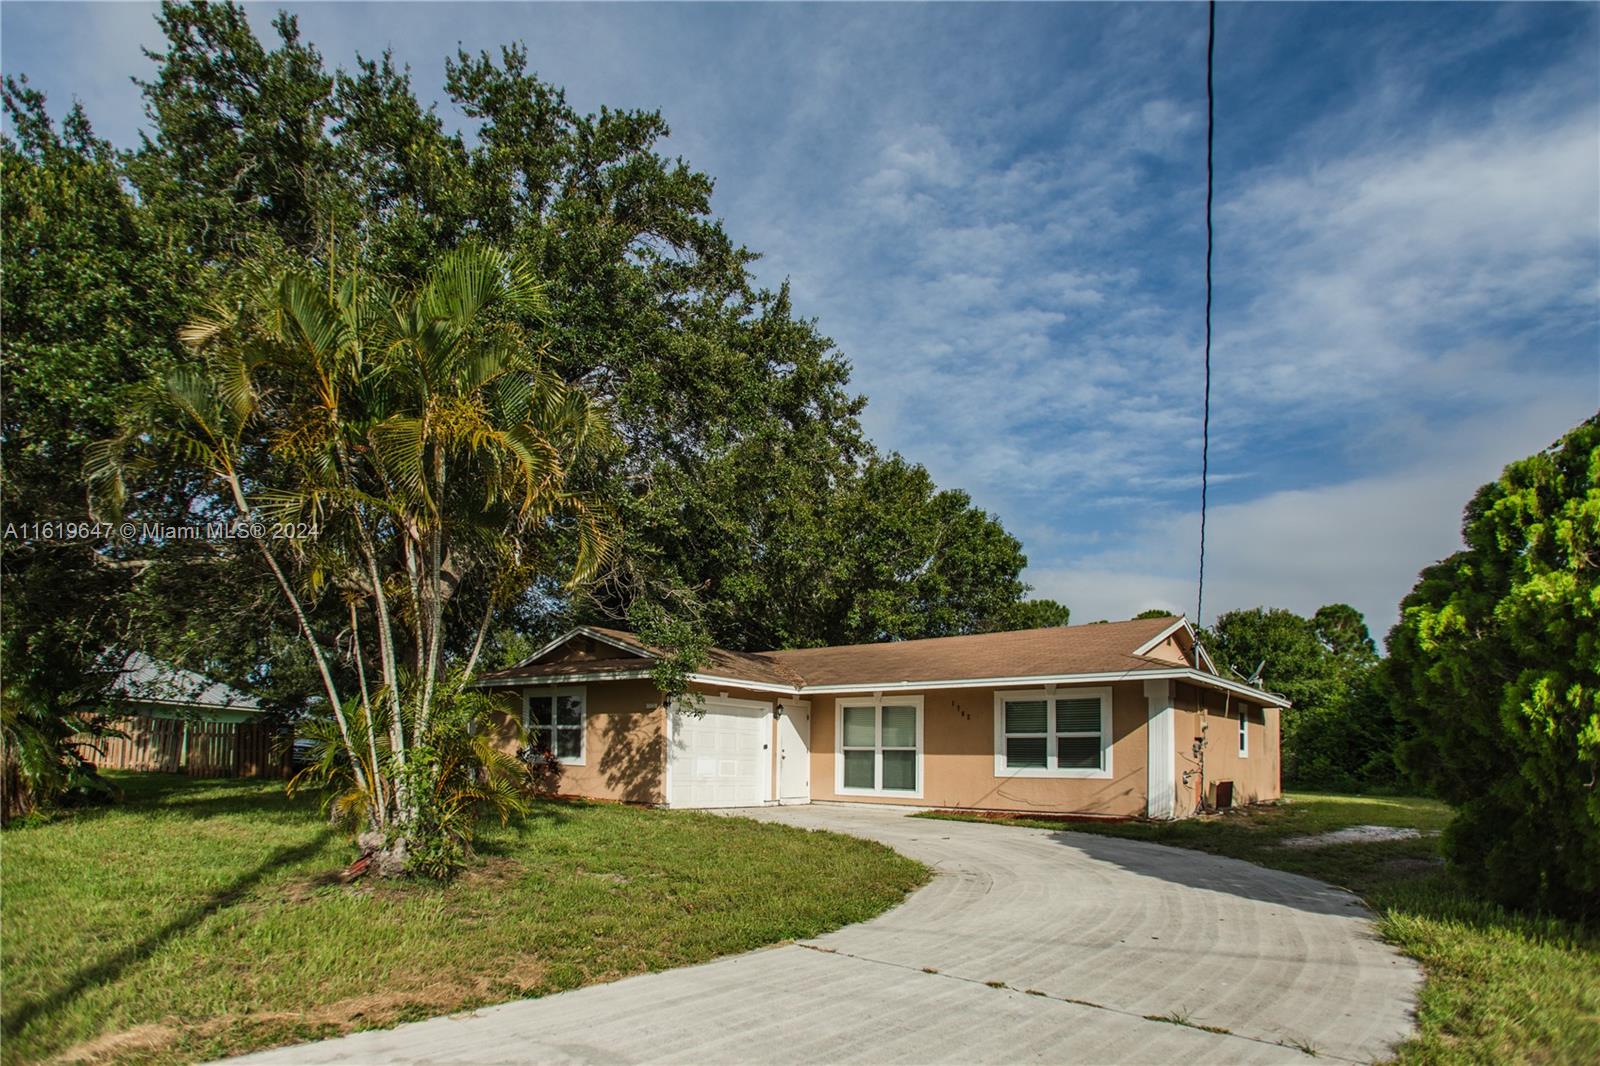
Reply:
x=199, y=749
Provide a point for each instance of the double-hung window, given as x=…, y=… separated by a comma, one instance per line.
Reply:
x=880, y=745
x=558, y=714
x=1062, y=732
x=1244, y=732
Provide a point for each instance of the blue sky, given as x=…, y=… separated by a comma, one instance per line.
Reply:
x=996, y=212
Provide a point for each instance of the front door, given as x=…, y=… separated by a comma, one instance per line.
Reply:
x=794, y=753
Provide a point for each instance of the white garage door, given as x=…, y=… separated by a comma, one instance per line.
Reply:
x=721, y=758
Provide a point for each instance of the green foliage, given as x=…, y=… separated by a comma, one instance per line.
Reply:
x=421, y=440
x=1341, y=731
x=459, y=777
x=909, y=560
x=41, y=765
x=1154, y=612
x=1040, y=613
x=1342, y=630
x=91, y=302
x=455, y=772
x=1496, y=660
x=779, y=555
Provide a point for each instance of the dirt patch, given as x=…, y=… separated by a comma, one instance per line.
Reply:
x=113, y=1046
x=306, y=889
x=492, y=870
x=1412, y=867
x=376, y=1010
x=1354, y=834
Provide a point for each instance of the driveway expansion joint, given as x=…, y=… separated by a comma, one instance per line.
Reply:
x=1002, y=986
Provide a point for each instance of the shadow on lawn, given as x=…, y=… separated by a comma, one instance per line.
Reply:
x=196, y=797
x=110, y=969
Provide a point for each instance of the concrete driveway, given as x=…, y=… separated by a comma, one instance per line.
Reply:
x=1028, y=946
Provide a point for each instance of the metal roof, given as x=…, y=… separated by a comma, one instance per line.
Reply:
x=146, y=680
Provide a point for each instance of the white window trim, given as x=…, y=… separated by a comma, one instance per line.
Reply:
x=877, y=703
x=1050, y=694
x=1244, y=733
x=554, y=692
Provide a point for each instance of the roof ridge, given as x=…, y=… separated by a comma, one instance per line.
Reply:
x=1155, y=624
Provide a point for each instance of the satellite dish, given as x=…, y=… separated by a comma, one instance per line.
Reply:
x=1255, y=677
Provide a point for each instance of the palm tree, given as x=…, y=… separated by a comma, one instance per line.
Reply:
x=425, y=439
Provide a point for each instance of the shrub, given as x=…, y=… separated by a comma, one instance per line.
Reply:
x=1496, y=662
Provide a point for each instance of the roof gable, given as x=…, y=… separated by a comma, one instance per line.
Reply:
x=619, y=653
x=589, y=643
x=1178, y=642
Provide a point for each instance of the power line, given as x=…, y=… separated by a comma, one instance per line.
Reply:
x=1205, y=420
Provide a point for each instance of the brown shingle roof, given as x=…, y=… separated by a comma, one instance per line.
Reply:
x=735, y=665
x=1087, y=649
x=1098, y=648
x=1105, y=647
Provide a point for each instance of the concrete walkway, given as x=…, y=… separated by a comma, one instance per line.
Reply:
x=1028, y=946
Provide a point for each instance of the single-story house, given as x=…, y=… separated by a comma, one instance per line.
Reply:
x=146, y=686
x=173, y=720
x=1104, y=719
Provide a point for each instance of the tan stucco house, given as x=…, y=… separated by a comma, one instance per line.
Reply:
x=1099, y=719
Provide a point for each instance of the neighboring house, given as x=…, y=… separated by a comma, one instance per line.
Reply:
x=177, y=721
x=161, y=690
x=1097, y=719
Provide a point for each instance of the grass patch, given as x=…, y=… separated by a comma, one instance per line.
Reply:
x=200, y=918
x=1502, y=986
x=1180, y=1018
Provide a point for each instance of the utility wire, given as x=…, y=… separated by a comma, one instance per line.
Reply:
x=1205, y=421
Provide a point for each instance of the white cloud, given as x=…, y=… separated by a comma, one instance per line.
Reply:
x=1360, y=542
x=1364, y=272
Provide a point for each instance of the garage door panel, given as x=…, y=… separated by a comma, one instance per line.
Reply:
x=717, y=756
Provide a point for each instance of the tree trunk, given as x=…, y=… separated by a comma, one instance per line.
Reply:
x=380, y=803
x=305, y=629
x=477, y=644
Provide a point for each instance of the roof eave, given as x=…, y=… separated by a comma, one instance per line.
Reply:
x=1185, y=673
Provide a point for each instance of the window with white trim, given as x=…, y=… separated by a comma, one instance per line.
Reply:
x=1244, y=732
x=559, y=715
x=1053, y=733
x=880, y=745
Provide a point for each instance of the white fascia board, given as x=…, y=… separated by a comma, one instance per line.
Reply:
x=582, y=631
x=751, y=686
x=1182, y=673
x=558, y=679
x=1181, y=623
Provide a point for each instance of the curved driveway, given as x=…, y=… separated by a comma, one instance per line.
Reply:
x=1028, y=946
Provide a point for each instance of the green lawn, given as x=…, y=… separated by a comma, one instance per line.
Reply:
x=1502, y=987
x=200, y=918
